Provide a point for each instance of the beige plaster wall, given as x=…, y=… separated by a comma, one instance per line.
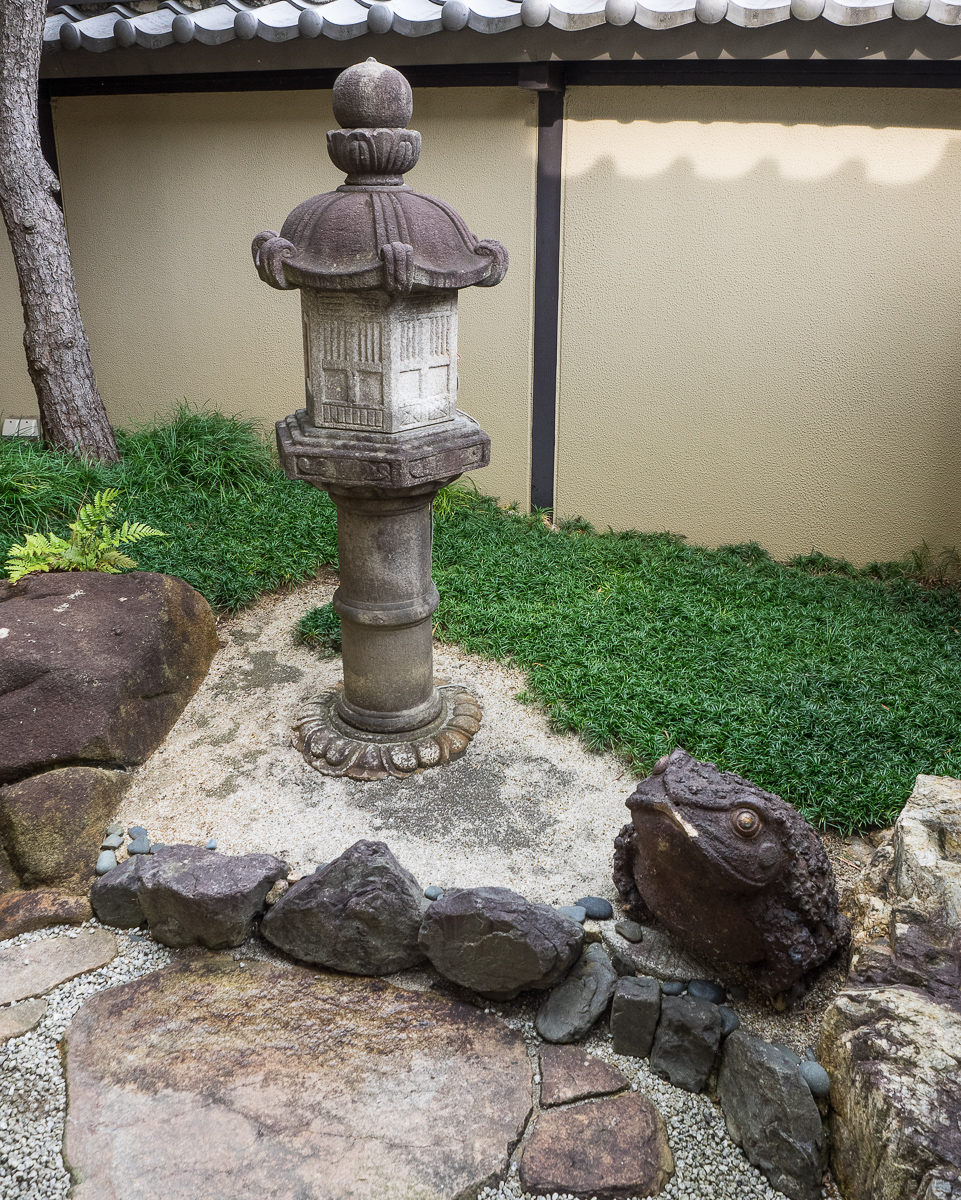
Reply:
x=760, y=316
x=164, y=193
x=17, y=397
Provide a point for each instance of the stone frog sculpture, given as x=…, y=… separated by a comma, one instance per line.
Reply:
x=732, y=871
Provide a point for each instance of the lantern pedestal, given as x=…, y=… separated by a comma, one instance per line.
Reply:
x=389, y=717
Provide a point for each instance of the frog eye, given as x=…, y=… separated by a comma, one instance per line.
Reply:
x=746, y=822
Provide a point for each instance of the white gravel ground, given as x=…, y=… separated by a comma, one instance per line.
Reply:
x=526, y=808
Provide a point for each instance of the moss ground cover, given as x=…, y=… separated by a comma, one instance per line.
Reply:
x=830, y=685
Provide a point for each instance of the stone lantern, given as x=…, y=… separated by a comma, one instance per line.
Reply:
x=379, y=267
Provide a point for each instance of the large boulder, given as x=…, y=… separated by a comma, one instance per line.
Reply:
x=52, y=824
x=894, y=1059
x=574, y=1005
x=191, y=896
x=771, y=1114
x=891, y=1042
x=497, y=943
x=361, y=914
x=907, y=902
x=96, y=668
x=215, y=1079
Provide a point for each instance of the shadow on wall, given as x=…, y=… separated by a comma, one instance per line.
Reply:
x=759, y=316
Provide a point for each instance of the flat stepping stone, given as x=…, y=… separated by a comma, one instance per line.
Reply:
x=20, y=1019
x=24, y=912
x=605, y=1149
x=276, y=1080
x=38, y=967
x=568, y=1074
x=657, y=954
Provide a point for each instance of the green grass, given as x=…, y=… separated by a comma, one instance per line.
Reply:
x=830, y=685
x=236, y=526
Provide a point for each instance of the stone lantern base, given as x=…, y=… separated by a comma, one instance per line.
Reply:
x=334, y=747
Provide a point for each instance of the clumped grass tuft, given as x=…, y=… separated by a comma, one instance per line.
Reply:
x=236, y=526
x=320, y=630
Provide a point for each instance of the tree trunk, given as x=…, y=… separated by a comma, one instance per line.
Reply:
x=72, y=415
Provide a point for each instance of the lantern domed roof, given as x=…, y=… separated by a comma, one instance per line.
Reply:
x=374, y=231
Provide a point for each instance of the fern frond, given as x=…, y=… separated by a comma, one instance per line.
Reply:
x=135, y=531
x=93, y=545
x=114, y=561
x=39, y=552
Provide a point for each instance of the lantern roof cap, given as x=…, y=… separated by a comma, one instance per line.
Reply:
x=374, y=231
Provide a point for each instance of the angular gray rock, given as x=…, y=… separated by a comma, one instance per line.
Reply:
x=634, y=1015
x=361, y=914
x=686, y=1041
x=97, y=668
x=218, y=1080
x=574, y=1005
x=941, y=1184
x=113, y=896
x=498, y=943
x=193, y=897
x=771, y=1114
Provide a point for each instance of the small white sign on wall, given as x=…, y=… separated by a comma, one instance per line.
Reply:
x=25, y=427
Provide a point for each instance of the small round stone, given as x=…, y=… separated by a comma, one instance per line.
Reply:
x=817, y=1079
x=136, y=831
x=211, y=844
x=158, y=846
x=433, y=892
x=140, y=845
x=729, y=1020
x=106, y=862
x=674, y=987
x=630, y=931
x=113, y=828
x=703, y=989
x=596, y=908
x=371, y=95
x=112, y=842
x=574, y=912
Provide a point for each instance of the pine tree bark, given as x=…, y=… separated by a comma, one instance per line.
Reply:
x=72, y=413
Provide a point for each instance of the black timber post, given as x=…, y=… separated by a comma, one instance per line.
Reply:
x=48, y=141
x=547, y=79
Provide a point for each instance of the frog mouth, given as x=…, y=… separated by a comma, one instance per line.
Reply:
x=669, y=811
